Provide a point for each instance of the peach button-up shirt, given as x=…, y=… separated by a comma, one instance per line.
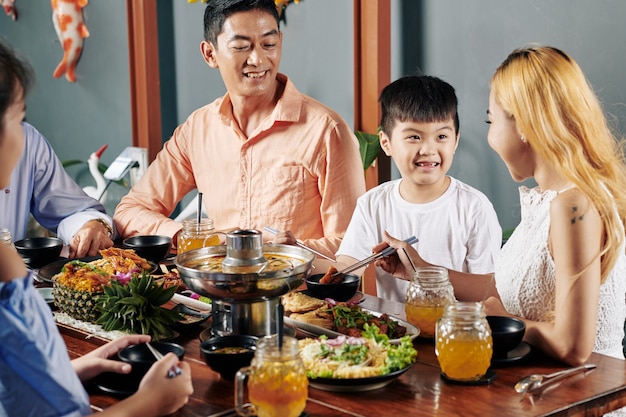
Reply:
x=300, y=170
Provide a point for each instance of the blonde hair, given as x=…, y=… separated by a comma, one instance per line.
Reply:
x=561, y=118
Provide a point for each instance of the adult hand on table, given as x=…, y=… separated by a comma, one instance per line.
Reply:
x=90, y=238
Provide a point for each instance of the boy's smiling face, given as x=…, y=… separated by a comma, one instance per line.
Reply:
x=423, y=153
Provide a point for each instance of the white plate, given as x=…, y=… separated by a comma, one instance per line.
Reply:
x=46, y=293
x=411, y=330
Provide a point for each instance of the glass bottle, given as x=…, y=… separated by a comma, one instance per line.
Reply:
x=463, y=343
x=277, y=381
x=6, y=238
x=195, y=235
x=429, y=292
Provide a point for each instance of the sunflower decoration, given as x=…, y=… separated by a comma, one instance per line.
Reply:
x=281, y=6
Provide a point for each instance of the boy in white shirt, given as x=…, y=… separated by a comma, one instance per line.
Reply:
x=456, y=224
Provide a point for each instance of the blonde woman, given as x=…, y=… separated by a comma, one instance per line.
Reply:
x=563, y=271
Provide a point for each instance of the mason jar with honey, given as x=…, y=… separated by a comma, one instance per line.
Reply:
x=197, y=234
x=429, y=292
x=463, y=343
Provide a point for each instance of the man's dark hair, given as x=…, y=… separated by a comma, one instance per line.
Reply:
x=217, y=11
x=14, y=72
x=418, y=98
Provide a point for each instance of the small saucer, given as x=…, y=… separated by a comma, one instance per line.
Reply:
x=116, y=384
x=46, y=293
x=488, y=378
x=520, y=352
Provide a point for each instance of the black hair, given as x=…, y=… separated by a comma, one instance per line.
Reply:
x=14, y=72
x=217, y=11
x=418, y=98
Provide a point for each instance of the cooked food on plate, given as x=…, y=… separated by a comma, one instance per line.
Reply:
x=345, y=317
x=356, y=357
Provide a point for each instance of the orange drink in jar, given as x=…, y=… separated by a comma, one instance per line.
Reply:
x=424, y=318
x=196, y=235
x=277, y=382
x=428, y=294
x=463, y=342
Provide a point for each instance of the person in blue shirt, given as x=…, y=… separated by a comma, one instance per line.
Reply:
x=40, y=186
x=37, y=377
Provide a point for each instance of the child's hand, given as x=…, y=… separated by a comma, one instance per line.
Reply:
x=398, y=264
x=97, y=361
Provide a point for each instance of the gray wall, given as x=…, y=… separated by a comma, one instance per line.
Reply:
x=458, y=40
x=77, y=118
x=464, y=41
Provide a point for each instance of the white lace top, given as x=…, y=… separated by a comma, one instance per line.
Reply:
x=525, y=275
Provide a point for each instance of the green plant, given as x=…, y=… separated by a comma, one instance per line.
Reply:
x=369, y=147
x=136, y=307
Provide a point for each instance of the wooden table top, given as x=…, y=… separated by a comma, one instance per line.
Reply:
x=419, y=392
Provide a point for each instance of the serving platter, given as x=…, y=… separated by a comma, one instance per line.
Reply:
x=312, y=329
x=356, y=384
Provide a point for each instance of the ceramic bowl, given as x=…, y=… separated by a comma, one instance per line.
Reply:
x=342, y=291
x=141, y=359
x=39, y=251
x=506, y=333
x=154, y=248
x=229, y=353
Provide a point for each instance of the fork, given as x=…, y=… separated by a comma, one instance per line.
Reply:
x=171, y=373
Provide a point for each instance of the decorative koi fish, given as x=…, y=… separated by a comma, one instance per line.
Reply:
x=9, y=8
x=67, y=16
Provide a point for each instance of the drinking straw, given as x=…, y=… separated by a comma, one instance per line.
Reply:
x=199, y=218
x=280, y=312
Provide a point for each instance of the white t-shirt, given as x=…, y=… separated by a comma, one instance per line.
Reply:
x=459, y=230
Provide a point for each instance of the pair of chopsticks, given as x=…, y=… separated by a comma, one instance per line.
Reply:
x=302, y=245
x=385, y=252
x=171, y=373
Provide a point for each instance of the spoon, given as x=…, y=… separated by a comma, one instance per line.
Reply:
x=535, y=382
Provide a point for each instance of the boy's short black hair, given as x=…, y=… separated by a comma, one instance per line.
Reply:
x=418, y=98
x=14, y=72
x=217, y=11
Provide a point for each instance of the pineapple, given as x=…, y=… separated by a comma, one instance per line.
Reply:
x=76, y=289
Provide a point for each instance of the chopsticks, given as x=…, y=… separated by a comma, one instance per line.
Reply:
x=302, y=245
x=385, y=252
x=171, y=373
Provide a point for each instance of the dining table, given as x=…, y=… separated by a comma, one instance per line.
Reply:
x=420, y=391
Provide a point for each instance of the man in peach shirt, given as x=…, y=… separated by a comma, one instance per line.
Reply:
x=264, y=154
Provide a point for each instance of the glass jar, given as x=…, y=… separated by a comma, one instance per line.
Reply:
x=277, y=381
x=195, y=235
x=463, y=342
x=429, y=292
x=6, y=238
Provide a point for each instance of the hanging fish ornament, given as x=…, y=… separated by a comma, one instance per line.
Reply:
x=9, y=8
x=67, y=16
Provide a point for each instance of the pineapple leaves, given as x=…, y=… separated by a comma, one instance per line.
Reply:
x=136, y=307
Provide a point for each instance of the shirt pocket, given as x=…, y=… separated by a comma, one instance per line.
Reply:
x=283, y=193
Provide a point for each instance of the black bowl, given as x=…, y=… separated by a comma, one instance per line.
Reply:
x=141, y=359
x=342, y=291
x=506, y=333
x=39, y=251
x=151, y=247
x=227, y=354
